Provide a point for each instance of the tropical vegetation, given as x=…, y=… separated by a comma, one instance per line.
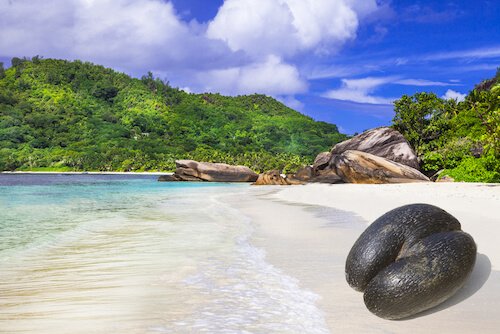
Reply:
x=73, y=115
x=458, y=139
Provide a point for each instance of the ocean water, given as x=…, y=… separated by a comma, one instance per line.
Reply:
x=127, y=254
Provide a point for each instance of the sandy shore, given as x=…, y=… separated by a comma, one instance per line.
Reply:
x=307, y=232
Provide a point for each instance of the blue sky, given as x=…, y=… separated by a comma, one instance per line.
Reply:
x=341, y=61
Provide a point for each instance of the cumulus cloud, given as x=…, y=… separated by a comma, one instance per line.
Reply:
x=453, y=95
x=285, y=27
x=130, y=35
x=249, y=47
x=271, y=76
x=361, y=90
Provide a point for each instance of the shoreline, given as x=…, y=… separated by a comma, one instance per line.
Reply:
x=307, y=231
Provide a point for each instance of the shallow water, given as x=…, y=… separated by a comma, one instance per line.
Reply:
x=96, y=254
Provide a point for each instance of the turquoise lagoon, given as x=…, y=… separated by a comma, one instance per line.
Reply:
x=127, y=254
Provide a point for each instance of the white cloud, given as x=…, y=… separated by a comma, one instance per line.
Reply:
x=291, y=102
x=255, y=26
x=135, y=36
x=26, y=29
x=271, y=76
x=423, y=83
x=453, y=95
x=480, y=53
x=360, y=90
x=338, y=71
x=401, y=61
x=284, y=27
x=186, y=89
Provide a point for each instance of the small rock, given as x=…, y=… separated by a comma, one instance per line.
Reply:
x=274, y=177
x=303, y=174
x=445, y=178
x=168, y=178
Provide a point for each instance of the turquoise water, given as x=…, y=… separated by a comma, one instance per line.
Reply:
x=127, y=254
x=37, y=209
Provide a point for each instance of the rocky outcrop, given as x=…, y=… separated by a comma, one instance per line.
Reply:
x=380, y=155
x=383, y=142
x=309, y=174
x=362, y=167
x=274, y=177
x=389, y=159
x=327, y=175
x=322, y=160
x=304, y=174
x=190, y=170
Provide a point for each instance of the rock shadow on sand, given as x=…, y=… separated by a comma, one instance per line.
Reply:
x=478, y=277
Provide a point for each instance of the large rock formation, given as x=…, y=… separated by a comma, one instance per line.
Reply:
x=362, y=167
x=190, y=170
x=380, y=155
x=383, y=142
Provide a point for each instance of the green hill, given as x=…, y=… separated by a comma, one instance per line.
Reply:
x=462, y=139
x=61, y=115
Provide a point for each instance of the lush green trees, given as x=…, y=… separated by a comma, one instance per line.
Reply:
x=413, y=115
x=461, y=138
x=62, y=115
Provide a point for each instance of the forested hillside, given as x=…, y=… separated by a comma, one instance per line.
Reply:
x=61, y=115
x=462, y=140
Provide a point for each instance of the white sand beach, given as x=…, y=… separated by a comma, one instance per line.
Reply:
x=307, y=232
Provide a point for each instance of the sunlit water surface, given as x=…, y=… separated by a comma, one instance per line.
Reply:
x=127, y=254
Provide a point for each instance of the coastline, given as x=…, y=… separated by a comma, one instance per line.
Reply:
x=307, y=231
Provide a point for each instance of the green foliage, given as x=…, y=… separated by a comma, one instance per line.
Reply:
x=470, y=169
x=413, y=115
x=56, y=114
x=461, y=138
